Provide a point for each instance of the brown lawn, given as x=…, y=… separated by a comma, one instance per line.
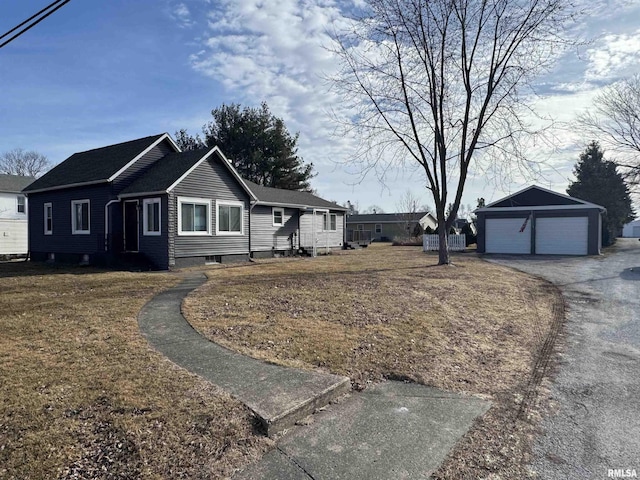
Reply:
x=392, y=313
x=83, y=396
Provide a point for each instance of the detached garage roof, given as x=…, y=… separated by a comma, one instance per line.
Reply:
x=538, y=198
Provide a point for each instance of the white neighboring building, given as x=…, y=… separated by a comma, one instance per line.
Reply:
x=632, y=229
x=13, y=215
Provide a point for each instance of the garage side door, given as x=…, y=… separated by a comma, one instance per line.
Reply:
x=562, y=235
x=503, y=235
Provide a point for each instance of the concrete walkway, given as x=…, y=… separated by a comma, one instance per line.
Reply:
x=279, y=396
x=392, y=430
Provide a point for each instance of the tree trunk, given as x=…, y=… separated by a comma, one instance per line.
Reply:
x=443, y=247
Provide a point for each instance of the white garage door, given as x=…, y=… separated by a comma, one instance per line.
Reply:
x=562, y=235
x=503, y=235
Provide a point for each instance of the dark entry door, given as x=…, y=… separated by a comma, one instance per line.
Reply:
x=131, y=226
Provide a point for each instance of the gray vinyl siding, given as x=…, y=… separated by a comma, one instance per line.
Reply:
x=389, y=230
x=265, y=236
x=213, y=181
x=136, y=170
x=63, y=240
x=323, y=238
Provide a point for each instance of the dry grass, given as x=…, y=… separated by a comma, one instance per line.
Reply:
x=83, y=396
x=391, y=312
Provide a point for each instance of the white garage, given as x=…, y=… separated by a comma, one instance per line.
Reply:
x=539, y=221
x=506, y=235
x=562, y=235
x=632, y=229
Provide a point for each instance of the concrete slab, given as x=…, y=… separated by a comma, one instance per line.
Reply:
x=392, y=431
x=279, y=396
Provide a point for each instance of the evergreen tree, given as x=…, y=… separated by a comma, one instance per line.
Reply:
x=257, y=144
x=598, y=181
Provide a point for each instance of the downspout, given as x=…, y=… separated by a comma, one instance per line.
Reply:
x=313, y=233
x=251, y=205
x=344, y=231
x=106, y=223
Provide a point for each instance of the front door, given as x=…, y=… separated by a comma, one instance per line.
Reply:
x=131, y=226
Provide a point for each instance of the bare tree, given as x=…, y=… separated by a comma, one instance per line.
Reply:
x=25, y=163
x=408, y=208
x=615, y=122
x=447, y=84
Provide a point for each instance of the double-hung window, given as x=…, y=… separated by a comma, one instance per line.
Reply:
x=22, y=204
x=80, y=217
x=229, y=218
x=193, y=216
x=278, y=217
x=378, y=228
x=151, y=216
x=330, y=222
x=48, y=219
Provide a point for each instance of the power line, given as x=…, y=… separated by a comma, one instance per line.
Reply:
x=59, y=3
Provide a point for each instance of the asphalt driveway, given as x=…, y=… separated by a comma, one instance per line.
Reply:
x=597, y=388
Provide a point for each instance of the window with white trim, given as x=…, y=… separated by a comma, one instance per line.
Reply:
x=48, y=219
x=194, y=216
x=22, y=204
x=360, y=227
x=330, y=221
x=151, y=216
x=229, y=218
x=278, y=216
x=378, y=228
x=80, y=217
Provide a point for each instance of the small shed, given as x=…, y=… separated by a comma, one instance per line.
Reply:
x=540, y=221
x=632, y=229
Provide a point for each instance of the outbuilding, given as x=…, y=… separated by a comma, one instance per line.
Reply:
x=632, y=229
x=540, y=221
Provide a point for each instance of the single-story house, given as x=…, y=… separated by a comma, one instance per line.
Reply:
x=384, y=227
x=540, y=221
x=13, y=215
x=147, y=199
x=632, y=229
x=288, y=220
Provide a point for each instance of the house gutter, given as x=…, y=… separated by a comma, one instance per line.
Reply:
x=106, y=223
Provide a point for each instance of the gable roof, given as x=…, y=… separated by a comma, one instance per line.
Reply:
x=289, y=198
x=14, y=183
x=171, y=169
x=535, y=197
x=98, y=165
x=385, y=217
x=164, y=172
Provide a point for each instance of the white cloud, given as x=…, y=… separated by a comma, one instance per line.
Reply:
x=182, y=15
x=275, y=51
x=614, y=56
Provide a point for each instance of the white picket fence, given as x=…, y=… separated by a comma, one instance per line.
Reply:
x=457, y=243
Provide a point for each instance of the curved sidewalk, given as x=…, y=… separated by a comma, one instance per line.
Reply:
x=391, y=430
x=279, y=396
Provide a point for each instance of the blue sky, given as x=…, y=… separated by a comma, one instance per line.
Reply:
x=102, y=72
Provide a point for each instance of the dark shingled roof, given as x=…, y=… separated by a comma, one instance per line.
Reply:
x=14, y=183
x=165, y=172
x=93, y=165
x=289, y=197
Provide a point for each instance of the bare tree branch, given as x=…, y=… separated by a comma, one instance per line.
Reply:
x=615, y=122
x=446, y=84
x=25, y=163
